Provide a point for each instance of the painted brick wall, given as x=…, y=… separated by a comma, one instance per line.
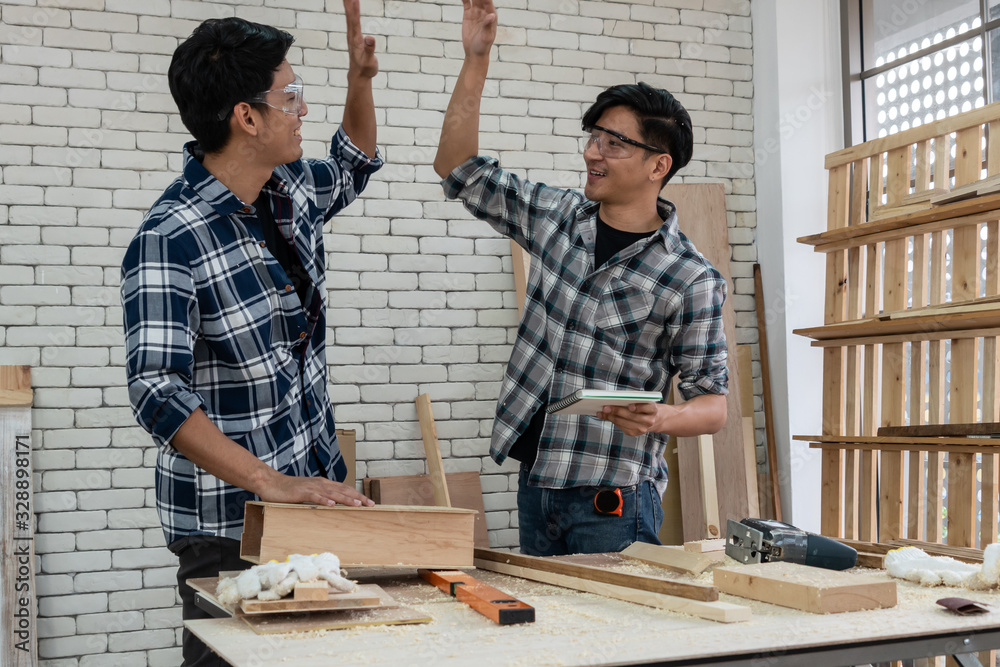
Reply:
x=421, y=295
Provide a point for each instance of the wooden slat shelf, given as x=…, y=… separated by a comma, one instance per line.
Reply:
x=948, y=449
x=950, y=214
x=937, y=430
x=847, y=440
x=913, y=135
x=940, y=320
x=910, y=333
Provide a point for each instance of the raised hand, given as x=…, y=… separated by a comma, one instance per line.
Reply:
x=479, y=27
x=360, y=47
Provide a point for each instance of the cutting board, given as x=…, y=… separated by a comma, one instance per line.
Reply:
x=464, y=489
x=807, y=588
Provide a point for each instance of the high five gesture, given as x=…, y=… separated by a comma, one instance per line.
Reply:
x=360, y=47
x=359, y=108
x=460, y=129
x=479, y=27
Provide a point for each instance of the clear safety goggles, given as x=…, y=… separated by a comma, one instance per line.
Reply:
x=610, y=144
x=290, y=100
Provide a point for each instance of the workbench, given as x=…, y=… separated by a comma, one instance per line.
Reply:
x=573, y=628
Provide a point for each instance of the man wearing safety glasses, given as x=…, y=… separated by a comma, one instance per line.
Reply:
x=617, y=298
x=224, y=294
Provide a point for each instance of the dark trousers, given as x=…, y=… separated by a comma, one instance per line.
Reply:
x=202, y=556
x=555, y=522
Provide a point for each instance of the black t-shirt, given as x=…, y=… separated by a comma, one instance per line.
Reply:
x=282, y=250
x=609, y=242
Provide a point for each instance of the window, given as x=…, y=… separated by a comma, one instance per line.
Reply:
x=910, y=62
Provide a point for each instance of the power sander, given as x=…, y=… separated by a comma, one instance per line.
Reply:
x=767, y=540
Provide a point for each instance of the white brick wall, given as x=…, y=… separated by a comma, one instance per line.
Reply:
x=421, y=296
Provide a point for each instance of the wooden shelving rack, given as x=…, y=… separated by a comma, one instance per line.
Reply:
x=909, y=338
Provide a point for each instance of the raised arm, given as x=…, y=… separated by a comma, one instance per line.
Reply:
x=460, y=130
x=359, y=108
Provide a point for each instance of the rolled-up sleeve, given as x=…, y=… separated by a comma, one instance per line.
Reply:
x=337, y=180
x=160, y=318
x=699, y=352
x=510, y=204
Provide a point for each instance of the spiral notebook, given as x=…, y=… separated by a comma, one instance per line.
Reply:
x=589, y=401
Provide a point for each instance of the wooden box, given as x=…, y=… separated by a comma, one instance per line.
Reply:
x=384, y=535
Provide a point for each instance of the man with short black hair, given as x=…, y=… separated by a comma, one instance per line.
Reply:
x=224, y=294
x=617, y=298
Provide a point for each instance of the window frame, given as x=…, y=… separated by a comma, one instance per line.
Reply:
x=854, y=14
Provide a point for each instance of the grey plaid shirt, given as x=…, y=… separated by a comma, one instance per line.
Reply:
x=652, y=311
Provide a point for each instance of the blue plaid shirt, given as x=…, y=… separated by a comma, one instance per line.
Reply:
x=212, y=322
x=652, y=311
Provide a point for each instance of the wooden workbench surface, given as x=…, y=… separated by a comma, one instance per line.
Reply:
x=574, y=628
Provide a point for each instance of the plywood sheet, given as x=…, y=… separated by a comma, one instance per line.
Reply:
x=464, y=488
x=366, y=595
x=807, y=588
x=333, y=620
x=701, y=211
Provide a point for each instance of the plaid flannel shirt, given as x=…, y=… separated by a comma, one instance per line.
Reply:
x=212, y=321
x=652, y=311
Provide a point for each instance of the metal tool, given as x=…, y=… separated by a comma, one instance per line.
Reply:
x=767, y=540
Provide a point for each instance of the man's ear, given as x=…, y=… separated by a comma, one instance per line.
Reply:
x=662, y=167
x=244, y=119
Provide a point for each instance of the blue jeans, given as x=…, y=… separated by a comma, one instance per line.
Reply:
x=555, y=522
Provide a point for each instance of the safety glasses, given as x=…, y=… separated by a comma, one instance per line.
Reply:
x=612, y=145
x=290, y=99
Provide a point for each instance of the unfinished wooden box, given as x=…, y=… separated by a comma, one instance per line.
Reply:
x=384, y=535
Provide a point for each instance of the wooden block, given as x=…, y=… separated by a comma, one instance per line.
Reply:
x=18, y=631
x=368, y=596
x=464, y=489
x=384, y=535
x=874, y=561
x=703, y=546
x=432, y=451
x=653, y=584
x=672, y=558
x=722, y=612
x=807, y=588
x=15, y=386
x=522, y=269
x=347, y=439
x=311, y=590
